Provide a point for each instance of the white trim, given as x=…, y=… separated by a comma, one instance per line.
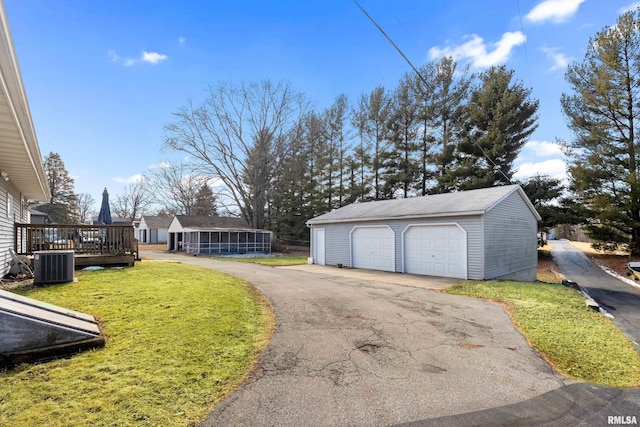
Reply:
x=393, y=253
x=439, y=224
x=314, y=252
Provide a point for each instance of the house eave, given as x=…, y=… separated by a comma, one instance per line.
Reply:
x=21, y=160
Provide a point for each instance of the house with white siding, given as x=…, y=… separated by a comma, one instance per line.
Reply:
x=489, y=233
x=22, y=176
x=153, y=229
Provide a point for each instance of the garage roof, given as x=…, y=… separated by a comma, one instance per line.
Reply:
x=472, y=202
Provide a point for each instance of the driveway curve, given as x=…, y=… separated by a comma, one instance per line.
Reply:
x=363, y=352
x=615, y=296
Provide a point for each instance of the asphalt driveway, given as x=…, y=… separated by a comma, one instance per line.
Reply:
x=351, y=350
x=615, y=296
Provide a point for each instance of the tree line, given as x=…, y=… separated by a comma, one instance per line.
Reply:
x=281, y=162
x=165, y=190
x=278, y=162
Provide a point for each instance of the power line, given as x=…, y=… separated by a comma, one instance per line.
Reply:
x=495, y=166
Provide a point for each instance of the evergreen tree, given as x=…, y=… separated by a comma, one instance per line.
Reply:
x=291, y=203
x=545, y=194
x=376, y=111
x=442, y=92
x=602, y=110
x=359, y=179
x=399, y=166
x=500, y=118
x=205, y=202
x=337, y=121
x=62, y=204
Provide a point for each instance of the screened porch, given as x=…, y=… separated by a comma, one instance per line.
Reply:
x=226, y=241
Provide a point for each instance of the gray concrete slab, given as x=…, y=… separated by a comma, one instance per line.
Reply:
x=361, y=352
x=618, y=298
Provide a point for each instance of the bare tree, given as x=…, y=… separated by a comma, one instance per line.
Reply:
x=85, y=204
x=132, y=203
x=241, y=135
x=175, y=187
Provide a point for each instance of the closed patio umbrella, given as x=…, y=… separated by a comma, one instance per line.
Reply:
x=104, y=217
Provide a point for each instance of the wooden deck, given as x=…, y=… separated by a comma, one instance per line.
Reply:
x=92, y=244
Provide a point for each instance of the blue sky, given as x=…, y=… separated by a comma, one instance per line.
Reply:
x=104, y=77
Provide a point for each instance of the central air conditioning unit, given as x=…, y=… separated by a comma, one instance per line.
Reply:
x=53, y=267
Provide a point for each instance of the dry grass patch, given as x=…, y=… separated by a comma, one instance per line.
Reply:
x=179, y=339
x=546, y=266
x=578, y=341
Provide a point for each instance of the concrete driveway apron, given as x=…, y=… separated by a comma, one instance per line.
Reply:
x=360, y=352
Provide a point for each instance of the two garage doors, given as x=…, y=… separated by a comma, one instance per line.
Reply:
x=434, y=250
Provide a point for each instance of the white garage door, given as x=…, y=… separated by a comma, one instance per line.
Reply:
x=436, y=250
x=373, y=248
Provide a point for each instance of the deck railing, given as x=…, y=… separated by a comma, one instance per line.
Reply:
x=82, y=239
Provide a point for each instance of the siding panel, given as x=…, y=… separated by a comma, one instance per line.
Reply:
x=510, y=238
x=6, y=222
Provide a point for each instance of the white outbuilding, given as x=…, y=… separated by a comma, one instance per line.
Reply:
x=216, y=235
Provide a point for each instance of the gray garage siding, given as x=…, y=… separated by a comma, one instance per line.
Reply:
x=337, y=242
x=510, y=239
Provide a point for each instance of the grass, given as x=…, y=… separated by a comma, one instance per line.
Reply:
x=271, y=261
x=179, y=339
x=578, y=341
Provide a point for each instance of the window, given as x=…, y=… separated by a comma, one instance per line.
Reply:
x=9, y=205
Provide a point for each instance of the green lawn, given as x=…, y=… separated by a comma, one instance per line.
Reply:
x=272, y=260
x=179, y=339
x=578, y=341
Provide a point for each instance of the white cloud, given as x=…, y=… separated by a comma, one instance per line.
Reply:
x=559, y=59
x=133, y=178
x=544, y=148
x=555, y=168
x=182, y=40
x=631, y=7
x=553, y=10
x=161, y=165
x=215, y=182
x=113, y=55
x=148, y=57
x=475, y=49
x=153, y=57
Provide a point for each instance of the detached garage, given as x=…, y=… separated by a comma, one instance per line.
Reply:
x=488, y=233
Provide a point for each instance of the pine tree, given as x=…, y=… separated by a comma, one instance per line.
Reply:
x=400, y=166
x=205, y=202
x=62, y=204
x=442, y=92
x=602, y=110
x=376, y=111
x=500, y=118
x=359, y=188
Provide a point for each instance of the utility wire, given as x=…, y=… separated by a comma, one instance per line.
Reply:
x=484, y=153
